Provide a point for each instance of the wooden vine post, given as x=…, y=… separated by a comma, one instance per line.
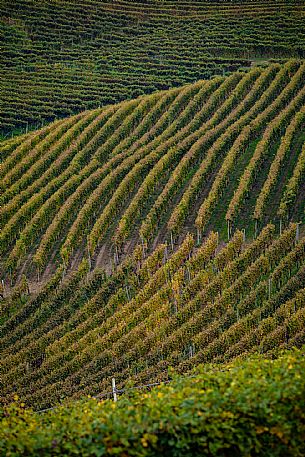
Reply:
x=114, y=392
x=297, y=232
x=269, y=288
x=229, y=229
x=2, y=289
x=89, y=257
x=172, y=241
x=198, y=236
x=244, y=235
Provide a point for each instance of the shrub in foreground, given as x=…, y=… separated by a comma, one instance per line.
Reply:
x=249, y=408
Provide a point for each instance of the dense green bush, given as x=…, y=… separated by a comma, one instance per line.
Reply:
x=251, y=408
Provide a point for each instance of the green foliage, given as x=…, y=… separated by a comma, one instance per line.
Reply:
x=254, y=407
x=163, y=160
x=59, y=58
x=180, y=308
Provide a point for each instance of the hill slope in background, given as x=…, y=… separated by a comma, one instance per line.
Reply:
x=61, y=57
x=222, y=154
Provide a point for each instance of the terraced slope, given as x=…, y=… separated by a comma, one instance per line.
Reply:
x=196, y=304
x=223, y=154
x=59, y=58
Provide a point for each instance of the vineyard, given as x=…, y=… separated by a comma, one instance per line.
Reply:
x=197, y=304
x=152, y=242
x=59, y=58
x=223, y=154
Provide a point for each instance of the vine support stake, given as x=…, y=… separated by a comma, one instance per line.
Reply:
x=117, y=255
x=115, y=398
x=198, y=236
x=188, y=274
x=269, y=287
x=280, y=226
x=244, y=235
x=2, y=289
x=172, y=241
x=297, y=232
x=228, y=229
x=89, y=258
x=127, y=292
x=143, y=248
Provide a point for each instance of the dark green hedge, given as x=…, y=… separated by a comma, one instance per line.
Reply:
x=252, y=408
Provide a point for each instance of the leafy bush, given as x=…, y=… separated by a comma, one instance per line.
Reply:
x=252, y=408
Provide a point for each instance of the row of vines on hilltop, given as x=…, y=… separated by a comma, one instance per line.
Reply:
x=62, y=58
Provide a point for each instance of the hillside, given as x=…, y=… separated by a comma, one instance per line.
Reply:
x=221, y=154
x=62, y=57
x=152, y=241
x=181, y=308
